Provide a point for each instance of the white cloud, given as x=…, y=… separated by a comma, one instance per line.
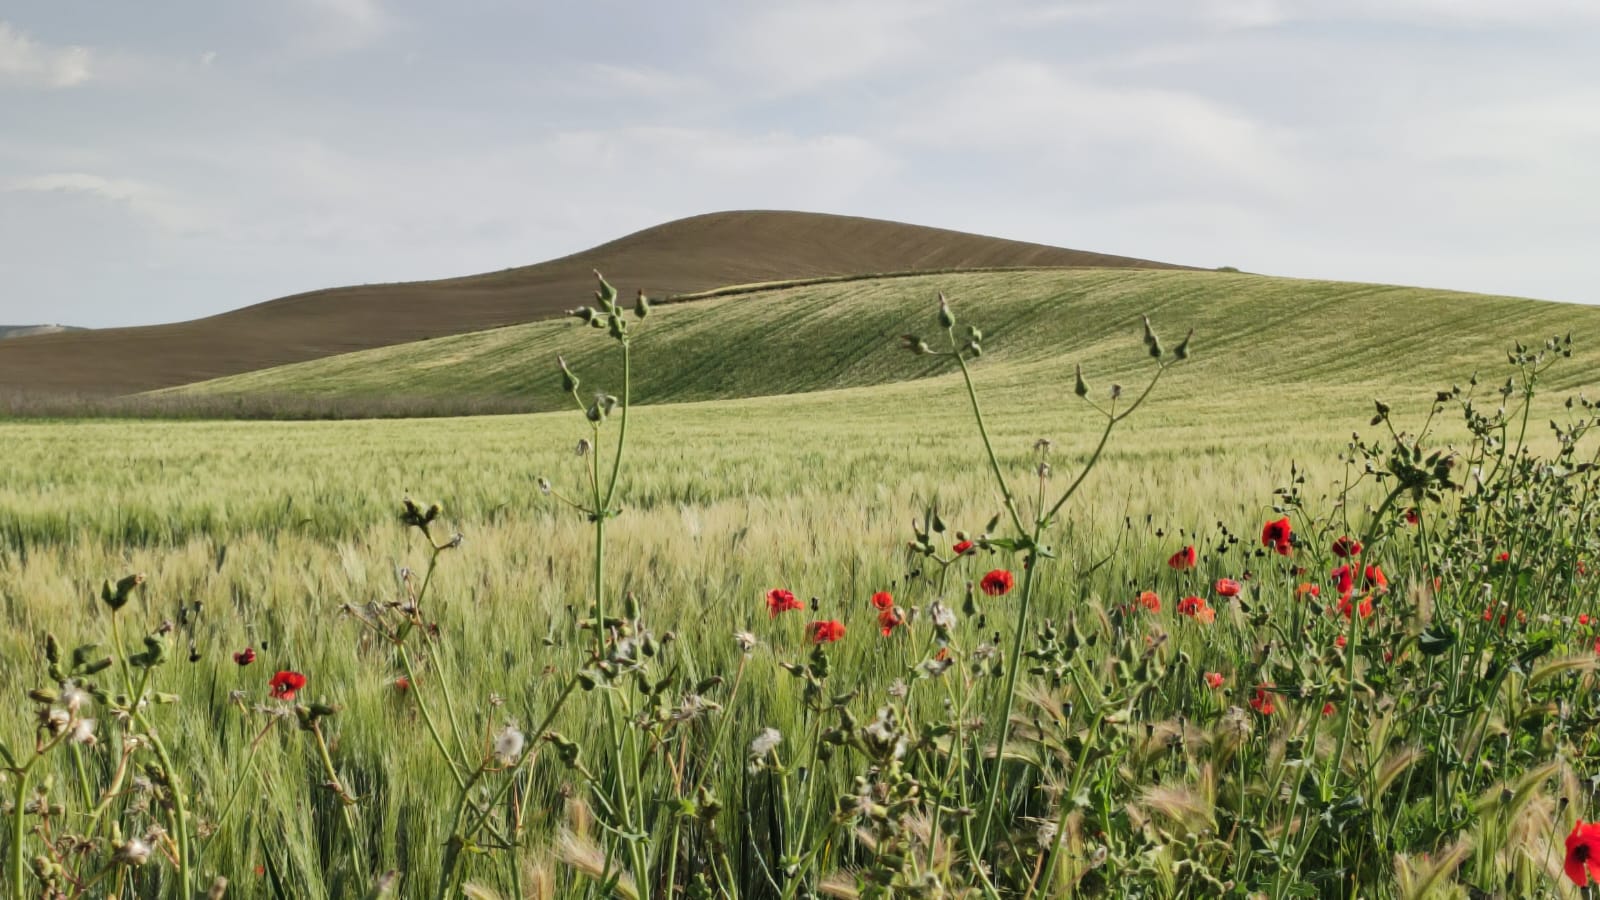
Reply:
x=797, y=47
x=336, y=26
x=27, y=62
x=142, y=199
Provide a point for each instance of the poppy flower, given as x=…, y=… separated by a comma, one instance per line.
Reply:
x=1373, y=577
x=1328, y=709
x=1341, y=641
x=1227, y=587
x=1197, y=609
x=245, y=657
x=962, y=548
x=1344, y=580
x=882, y=600
x=1262, y=701
x=1583, y=618
x=1412, y=516
x=889, y=620
x=1503, y=556
x=1364, y=606
x=997, y=582
x=1186, y=558
x=825, y=632
x=1488, y=616
x=1346, y=547
x=1213, y=680
x=1150, y=600
x=1583, y=853
x=780, y=600
x=1307, y=589
x=402, y=684
x=1277, y=536
x=286, y=684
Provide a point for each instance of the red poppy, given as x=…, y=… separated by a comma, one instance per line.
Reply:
x=1346, y=547
x=780, y=600
x=962, y=548
x=1412, y=516
x=1364, y=606
x=997, y=582
x=1583, y=853
x=245, y=657
x=286, y=684
x=825, y=632
x=1307, y=589
x=882, y=600
x=1583, y=618
x=1344, y=580
x=889, y=620
x=1341, y=641
x=1262, y=701
x=1213, y=680
x=1328, y=709
x=1373, y=577
x=1227, y=587
x=1503, y=557
x=1277, y=536
x=1197, y=609
x=1150, y=600
x=1488, y=616
x=1186, y=558
x=402, y=684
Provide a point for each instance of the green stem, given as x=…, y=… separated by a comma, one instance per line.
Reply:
x=427, y=717
x=346, y=802
x=988, y=446
x=1031, y=564
x=18, y=830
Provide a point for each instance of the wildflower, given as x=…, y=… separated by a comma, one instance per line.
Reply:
x=882, y=600
x=1345, y=580
x=825, y=631
x=889, y=620
x=1186, y=558
x=245, y=657
x=1213, y=680
x=1583, y=618
x=1307, y=589
x=1150, y=600
x=765, y=742
x=83, y=732
x=136, y=853
x=1341, y=640
x=1373, y=577
x=1346, y=547
x=780, y=600
x=1412, y=516
x=962, y=548
x=1196, y=608
x=745, y=640
x=997, y=582
x=1262, y=701
x=286, y=684
x=1227, y=587
x=1583, y=853
x=1503, y=557
x=1364, y=606
x=1328, y=709
x=942, y=616
x=402, y=684
x=508, y=744
x=1277, y=535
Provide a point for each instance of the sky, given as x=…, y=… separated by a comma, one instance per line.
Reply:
x=163, y=161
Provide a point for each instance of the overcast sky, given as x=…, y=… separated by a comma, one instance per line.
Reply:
x=160, y=161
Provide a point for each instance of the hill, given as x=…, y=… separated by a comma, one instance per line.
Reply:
x=1257, y=337
x=688, y=255
x=16, y=331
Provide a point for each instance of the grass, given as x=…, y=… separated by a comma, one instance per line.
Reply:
x=274, y=527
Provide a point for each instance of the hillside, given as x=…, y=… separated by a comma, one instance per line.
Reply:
x=1256, y=336
x=688, y=255
x=17, y=331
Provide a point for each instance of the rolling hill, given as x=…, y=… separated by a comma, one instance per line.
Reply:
x=1273, y=343
x=17, y=331
x=688, y=255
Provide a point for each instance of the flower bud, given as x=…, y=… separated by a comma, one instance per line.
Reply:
x=1081, y=387
x=1182, y=350
x=915, y=344
x=947, y=319
x=569, y=381
x=641, y=305
x=606, y=293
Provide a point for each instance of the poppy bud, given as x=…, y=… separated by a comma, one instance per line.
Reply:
x=1182, y=350
x=1081, y=387
x=947, y=319
x=641, y=305
x=569, y=381
x=606, y=293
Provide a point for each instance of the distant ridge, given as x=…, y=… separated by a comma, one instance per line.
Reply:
x=14, y=331
x=687, y=255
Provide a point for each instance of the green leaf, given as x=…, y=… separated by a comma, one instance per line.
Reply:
x=1436, y=640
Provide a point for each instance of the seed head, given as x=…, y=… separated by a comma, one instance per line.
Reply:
x=508, y=745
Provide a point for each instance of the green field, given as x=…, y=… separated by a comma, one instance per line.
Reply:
x=785, y=441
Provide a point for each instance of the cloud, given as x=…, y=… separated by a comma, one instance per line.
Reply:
x=144, y=200
x=337, y=26
x=800, y=47
x=26, y=62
